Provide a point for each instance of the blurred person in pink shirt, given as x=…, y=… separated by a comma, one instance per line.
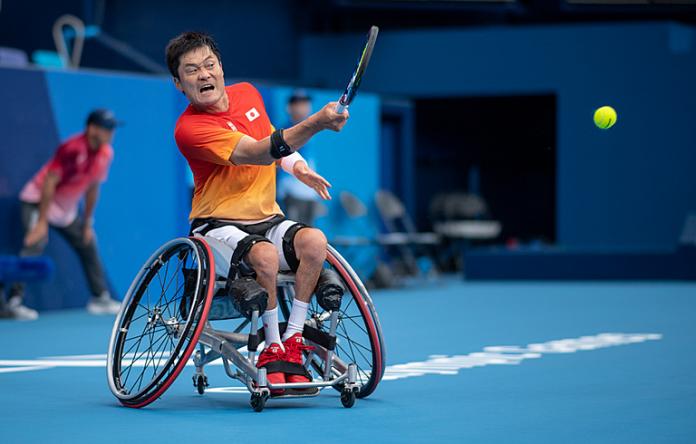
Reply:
x=52, y=197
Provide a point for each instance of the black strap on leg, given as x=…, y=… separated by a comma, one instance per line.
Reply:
x=247, y=294
x=243, y=248
x=289, y=245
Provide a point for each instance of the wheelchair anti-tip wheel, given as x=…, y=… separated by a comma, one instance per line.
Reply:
x=347, y=398
x=160, y=321
x=358, y=335
x=258, y=401
x=200, y=382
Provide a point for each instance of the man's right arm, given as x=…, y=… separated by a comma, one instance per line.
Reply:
x=258, y=152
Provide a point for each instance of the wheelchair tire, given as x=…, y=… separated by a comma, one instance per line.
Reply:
x=155, y=334
x=359, y=334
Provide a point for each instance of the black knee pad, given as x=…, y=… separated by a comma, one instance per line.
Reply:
x=329, y=290
x=248, y=295
x=289, y=245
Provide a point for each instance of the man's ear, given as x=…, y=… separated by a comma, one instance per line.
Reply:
x=177, y=84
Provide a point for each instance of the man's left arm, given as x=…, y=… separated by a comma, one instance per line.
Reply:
x=91, y=198
x=296, y=165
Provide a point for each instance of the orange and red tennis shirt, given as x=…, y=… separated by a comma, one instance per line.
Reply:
x=224, y=190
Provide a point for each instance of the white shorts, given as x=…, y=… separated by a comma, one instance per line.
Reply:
x=231, y=235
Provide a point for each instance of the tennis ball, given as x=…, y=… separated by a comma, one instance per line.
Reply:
x=605, y=117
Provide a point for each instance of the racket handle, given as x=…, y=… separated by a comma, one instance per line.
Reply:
x=340, y=107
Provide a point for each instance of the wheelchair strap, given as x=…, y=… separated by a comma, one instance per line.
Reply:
x=289, y=368
x=203, y=225
x=239, y=253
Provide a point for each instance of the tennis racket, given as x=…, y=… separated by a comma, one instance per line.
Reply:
x=352, y=88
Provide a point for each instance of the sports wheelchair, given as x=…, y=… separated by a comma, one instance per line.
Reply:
x=166, y=317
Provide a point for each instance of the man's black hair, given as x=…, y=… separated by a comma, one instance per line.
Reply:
x=184, y=43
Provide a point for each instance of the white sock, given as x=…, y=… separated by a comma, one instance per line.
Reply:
x=298, y=314
x=270, y=327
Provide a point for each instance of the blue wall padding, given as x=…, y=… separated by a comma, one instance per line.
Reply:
x=146, y=199
x=571, y=264
x=631, y=186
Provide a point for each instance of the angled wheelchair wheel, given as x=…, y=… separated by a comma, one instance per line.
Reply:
x=161, y=319
x=358, y=336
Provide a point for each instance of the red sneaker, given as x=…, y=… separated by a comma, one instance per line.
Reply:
x=273, y=353
x=294, y=346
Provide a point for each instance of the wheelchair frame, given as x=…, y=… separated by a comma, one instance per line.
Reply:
x=211, y=259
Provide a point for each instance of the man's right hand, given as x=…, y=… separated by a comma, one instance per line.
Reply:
x=328, y=118
x=36, y=234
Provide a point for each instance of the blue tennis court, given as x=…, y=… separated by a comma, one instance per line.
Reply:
x=512, y=179
x=488, y=362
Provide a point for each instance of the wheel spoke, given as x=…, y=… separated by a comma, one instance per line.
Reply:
x=139, y=381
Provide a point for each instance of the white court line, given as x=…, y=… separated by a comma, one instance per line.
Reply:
x=22, y=369
x=435, y=364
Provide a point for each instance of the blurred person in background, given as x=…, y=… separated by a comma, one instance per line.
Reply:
x=301, y=202
x=51, y=198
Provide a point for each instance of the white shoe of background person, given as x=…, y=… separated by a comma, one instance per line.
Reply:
x=21, y=312
x=103, y=304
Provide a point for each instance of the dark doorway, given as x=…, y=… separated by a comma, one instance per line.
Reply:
x=502, y=148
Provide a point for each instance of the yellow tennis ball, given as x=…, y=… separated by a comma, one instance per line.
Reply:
x=605, y=117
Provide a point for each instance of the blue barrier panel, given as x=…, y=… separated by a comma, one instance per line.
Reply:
x=25, y=269
x=576, y=264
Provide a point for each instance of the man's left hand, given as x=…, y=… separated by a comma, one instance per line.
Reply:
x=313, y=180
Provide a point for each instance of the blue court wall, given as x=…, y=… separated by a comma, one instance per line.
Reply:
x=631, y=186
x=146, y=199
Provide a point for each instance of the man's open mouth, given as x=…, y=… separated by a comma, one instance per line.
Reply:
x=206, y=88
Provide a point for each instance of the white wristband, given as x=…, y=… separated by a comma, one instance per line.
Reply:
x=288, y=162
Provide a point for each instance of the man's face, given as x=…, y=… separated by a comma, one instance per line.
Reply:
x=299, y=110
x=201, y=77
x=98, y=136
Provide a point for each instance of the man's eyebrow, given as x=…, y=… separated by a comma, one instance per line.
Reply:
x=196, y=64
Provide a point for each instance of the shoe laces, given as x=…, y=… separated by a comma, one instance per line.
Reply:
x=296, y=346
x=270, y=354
